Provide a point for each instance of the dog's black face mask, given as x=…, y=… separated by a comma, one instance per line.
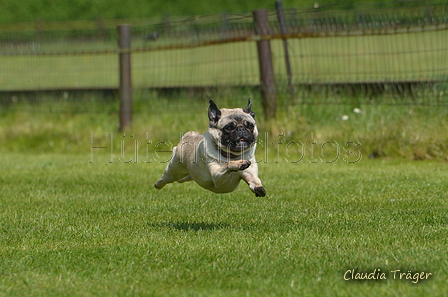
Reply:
x=238, y=135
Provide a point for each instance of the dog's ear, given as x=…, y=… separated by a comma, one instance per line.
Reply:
x=248, y=109
x=214, y=114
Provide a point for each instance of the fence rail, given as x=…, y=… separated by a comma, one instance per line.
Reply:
x=248, y=38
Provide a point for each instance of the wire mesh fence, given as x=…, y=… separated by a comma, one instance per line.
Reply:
x=388, y=53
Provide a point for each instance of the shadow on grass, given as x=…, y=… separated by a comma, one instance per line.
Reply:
x=188, y=226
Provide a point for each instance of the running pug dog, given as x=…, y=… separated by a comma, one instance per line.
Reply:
x=220, y=158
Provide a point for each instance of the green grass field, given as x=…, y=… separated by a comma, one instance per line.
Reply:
x=74, y=228
x=79, y=221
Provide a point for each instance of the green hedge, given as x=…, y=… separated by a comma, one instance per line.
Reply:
x=47, y=10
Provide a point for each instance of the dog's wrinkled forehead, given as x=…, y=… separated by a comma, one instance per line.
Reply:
x=236, y=115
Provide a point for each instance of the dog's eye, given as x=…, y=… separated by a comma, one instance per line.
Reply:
x=249, y=125
x=229, y=127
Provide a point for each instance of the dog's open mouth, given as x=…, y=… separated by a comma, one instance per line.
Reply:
x=240, y=145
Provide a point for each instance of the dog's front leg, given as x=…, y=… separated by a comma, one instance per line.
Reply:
x=250, y=176
x=238, y=165
x=225, y=173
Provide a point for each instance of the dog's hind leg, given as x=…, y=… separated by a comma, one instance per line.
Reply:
x=168, y=178
x=174, y=171
x=171, y=175
x=185, y=179
x=162, y=182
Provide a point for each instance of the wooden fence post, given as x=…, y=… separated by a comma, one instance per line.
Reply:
x=268, y=90
x=124, y=43
x=283, y=30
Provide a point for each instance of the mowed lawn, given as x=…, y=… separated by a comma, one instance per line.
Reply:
x=371, y=58
x=74, y=228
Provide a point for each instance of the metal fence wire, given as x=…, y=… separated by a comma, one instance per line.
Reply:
x=365, y=51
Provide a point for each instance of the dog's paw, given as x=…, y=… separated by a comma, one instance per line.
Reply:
x=238, y=165
x=159, y=184
x=259, y=192
x=244, y=164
